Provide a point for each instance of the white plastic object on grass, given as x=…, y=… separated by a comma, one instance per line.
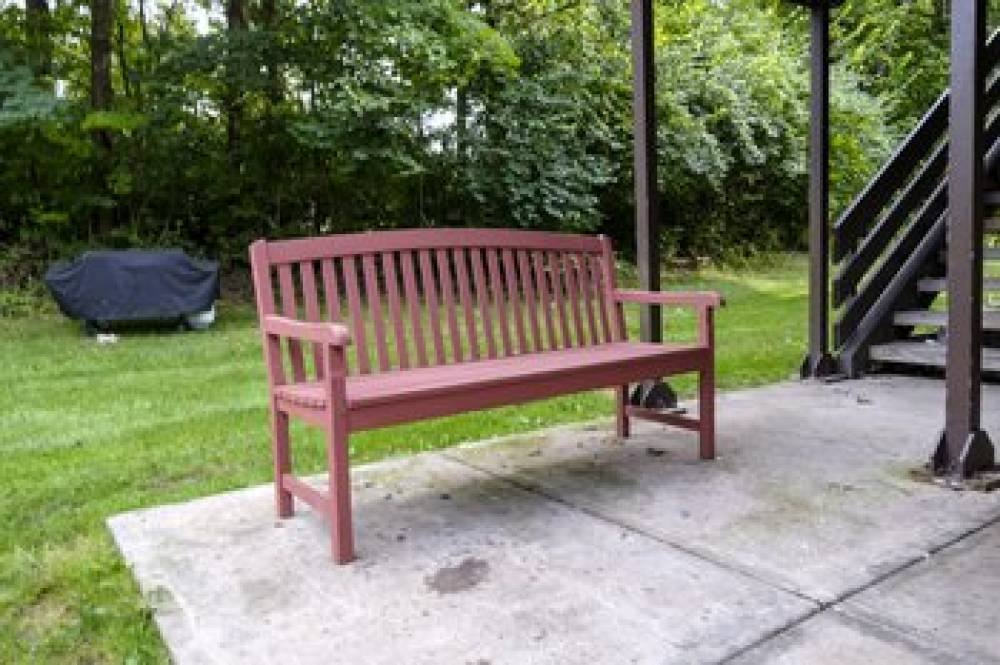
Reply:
x=201, y=320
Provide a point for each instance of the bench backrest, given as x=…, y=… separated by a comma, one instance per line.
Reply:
x=415, y=298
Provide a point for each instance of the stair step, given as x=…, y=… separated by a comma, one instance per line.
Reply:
x=926, y=354
x=992, y=224
x=989, y=254
x=923, y=317
x=941, y=285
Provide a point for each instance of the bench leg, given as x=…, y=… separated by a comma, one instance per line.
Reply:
x=623, y=428
x=282, y=454
x=341, y=529
x=706, y=412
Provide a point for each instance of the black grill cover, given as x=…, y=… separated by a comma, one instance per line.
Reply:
x=133, y=285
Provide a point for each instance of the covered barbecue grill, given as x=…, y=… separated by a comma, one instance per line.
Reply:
x=106, y=287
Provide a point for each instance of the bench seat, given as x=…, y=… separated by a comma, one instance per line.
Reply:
x=488, y=383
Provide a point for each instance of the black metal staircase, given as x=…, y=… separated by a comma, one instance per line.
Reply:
x=889, y=249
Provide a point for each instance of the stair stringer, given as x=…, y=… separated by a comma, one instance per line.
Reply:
x=876, y=325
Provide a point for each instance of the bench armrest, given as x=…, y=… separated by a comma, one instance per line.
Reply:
x=704, y=302
x=333, y=334
x=708, y=299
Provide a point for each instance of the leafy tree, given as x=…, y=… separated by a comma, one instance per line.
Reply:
x=131, y=124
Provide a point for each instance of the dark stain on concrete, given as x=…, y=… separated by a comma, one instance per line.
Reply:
x=455, y=579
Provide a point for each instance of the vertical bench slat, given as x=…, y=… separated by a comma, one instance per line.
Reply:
x=498, y=299
x=601, y=294
x=331, y=290
x=374, y=297
x=286, y=283
x=448, y=299
x=430, y=296
x=615, y=311
x=264, y=291
x=514, y=294
x=483, y=296
x=413, y=303
x=529, y=298
x=395, y=308
x=357, y=318
x=307, y=273
x=542, y=284
x=465, y=296
x=588, y=291
x=573, y=295
x=555, y=276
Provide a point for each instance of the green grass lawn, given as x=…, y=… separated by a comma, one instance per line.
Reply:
x=87, y=431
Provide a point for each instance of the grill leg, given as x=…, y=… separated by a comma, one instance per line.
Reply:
x=282, y=454
x=706, y=412
x=624, y=427
x=341, y=529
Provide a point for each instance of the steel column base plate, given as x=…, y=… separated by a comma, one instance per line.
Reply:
x=977, y=455
x=818, y=367
x=654, y=395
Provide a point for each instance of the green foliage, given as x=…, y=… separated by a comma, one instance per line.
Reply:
x=862, y=136
x=546, y=141
x=115, y=121
x=339, y=115
x=21, y=304
x=900, y=50
x=733, y=129
x=21, y=100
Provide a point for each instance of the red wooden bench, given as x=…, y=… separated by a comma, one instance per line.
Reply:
x=367, y=330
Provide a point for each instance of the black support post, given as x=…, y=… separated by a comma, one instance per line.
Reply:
x=818, y=362
x=964, y=448
x=650, y=394
x=646, y=199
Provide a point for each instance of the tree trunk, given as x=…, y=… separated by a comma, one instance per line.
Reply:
x=235, y=21
x=101, y=96
x=100, y=63
x=275, y=94
x=270, y=18
x=39, y=32
x=143, y=24
x=123, y=61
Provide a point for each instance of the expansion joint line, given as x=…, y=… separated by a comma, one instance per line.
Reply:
x=819, y=606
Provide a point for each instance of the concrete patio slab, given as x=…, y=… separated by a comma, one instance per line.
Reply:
x=833, y=638
x=812, y=491
x=808, y=541
x=455, y=567
x=951, y=598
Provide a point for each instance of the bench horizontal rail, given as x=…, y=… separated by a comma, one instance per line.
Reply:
x=665, y=418
x=675, y=298
x=313, y=249
x=305, y=492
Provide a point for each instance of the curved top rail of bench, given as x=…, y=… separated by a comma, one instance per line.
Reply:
x=311, y=249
